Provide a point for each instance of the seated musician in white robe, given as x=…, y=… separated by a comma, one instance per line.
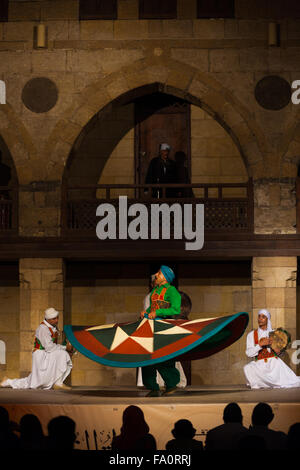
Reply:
x=51, y=362
x=267, y=370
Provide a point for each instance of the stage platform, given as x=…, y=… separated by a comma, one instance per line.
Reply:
x=97, y=411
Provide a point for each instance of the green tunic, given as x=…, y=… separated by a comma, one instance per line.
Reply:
x=171, y=296
x=172, y=299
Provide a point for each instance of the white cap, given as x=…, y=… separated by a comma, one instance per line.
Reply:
x=267, y=314
x=164, y=146
x=51, y=313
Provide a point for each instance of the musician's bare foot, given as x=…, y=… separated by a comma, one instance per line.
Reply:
x=3, y=382
x=61, y=387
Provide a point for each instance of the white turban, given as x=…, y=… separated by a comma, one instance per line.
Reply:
x=267, y=314
x=165, y=147
x=51, y=313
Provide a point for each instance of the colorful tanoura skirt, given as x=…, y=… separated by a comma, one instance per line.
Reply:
x=147, y=342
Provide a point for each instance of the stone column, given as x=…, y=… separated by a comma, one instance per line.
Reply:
x=275, y=205
x=274, y=288
x=41, y=286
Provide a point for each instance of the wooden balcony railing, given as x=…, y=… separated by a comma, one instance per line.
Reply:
x=8, y=210
x=227, y=207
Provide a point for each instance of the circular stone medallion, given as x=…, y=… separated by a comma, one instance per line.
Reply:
x=273, y=92
x=40, y=95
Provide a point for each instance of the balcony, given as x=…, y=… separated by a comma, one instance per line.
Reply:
x=228, y=208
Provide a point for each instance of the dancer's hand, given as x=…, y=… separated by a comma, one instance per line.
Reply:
x=151, y=315
x=142, y=314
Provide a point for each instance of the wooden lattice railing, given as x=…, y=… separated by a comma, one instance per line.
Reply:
x=227, y=207
x=8, y=209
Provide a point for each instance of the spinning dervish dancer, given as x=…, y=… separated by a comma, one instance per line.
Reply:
x=51, y=362
x=165, y=302
x=162, y=336
x=267, y=370
x=147, y=303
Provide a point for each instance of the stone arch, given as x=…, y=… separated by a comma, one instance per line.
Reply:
x=171, y=77
x=8, y=160
x=17, y=143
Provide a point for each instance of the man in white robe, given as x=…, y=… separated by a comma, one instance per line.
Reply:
x=51, y=362
x=267, y=370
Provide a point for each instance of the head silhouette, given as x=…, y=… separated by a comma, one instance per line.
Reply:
x=134, y=421
x=31, y=433
x=4, y=420
x=262, y=415
x=183, y=429
x=30, y=427
x=61, y=433
x=294, y=436
x=232, y=413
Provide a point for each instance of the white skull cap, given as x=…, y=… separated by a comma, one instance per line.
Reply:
x=165, y=146
x=265, y=312
x=51, y=313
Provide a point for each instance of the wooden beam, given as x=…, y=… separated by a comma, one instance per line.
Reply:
x=230, y=246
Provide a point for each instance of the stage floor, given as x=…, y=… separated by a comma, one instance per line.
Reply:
x=97, y=411
x=133, y=395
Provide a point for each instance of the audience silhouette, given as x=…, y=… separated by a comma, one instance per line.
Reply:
x=262, y=416
x=227, y=435
x=31, y=433
x=8, y=440
x=183, y=433
x=135, y=436
x=251, y=442
x=61, y=433
x=134, y=432
x=293, y=438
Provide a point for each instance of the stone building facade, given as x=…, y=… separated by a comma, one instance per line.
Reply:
x=87, y=137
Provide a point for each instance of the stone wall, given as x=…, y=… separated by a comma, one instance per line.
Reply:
x=10, y=330
x=215, y=157
x=129, y=9
x=216, y=296
x=275, y=205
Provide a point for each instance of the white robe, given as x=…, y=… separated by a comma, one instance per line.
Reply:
x=49, y=366
x=159, y=379
x=273, y=373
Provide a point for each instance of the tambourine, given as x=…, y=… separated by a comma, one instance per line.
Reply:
x=281, y=339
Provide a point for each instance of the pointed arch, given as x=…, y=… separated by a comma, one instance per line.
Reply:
x=168, y=76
